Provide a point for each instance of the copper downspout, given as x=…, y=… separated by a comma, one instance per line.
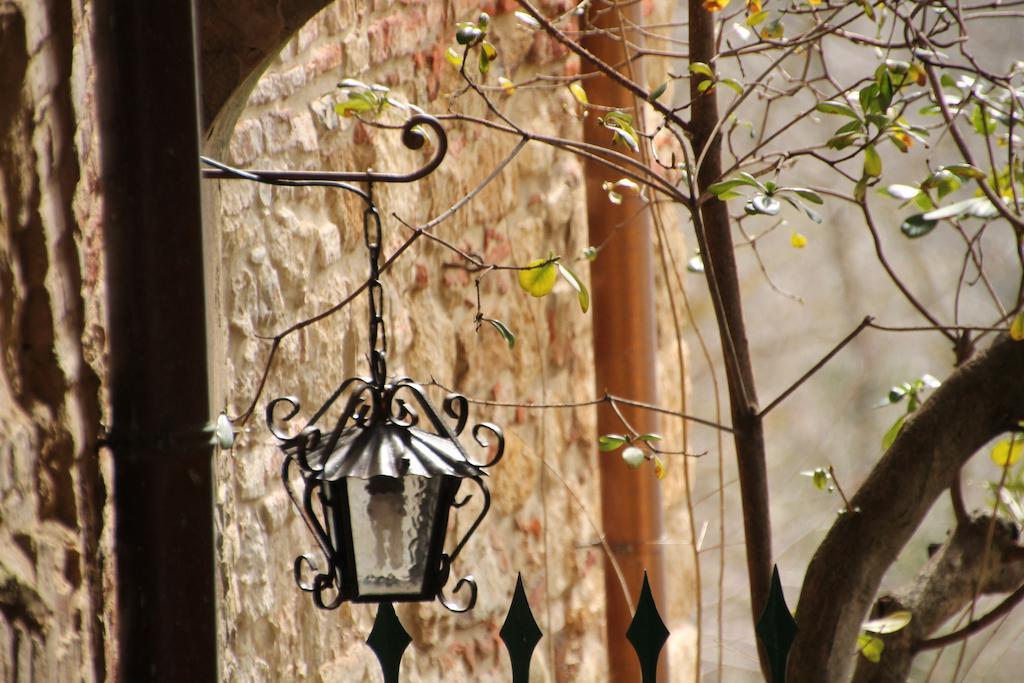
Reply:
x=622, y=281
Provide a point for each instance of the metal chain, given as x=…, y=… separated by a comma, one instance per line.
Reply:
x=373, y=236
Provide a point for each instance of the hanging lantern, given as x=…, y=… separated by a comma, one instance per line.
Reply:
x=379, y=485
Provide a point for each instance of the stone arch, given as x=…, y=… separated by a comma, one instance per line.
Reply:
x=237, y=40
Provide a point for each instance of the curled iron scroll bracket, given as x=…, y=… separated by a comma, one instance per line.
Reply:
x=412, y=137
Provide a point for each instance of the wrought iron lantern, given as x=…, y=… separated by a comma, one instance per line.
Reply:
x=380, y=471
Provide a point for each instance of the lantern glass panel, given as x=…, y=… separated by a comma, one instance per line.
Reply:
x=393, y=521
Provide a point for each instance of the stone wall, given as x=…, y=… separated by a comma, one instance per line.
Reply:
x=54, y=618
x=288, y=254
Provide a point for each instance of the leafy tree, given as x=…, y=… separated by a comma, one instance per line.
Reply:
x=914, y=121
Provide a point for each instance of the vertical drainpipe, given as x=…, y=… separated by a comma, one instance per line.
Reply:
x=625, y=363
x=163, y=503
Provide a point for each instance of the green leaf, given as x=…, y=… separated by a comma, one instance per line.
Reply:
x=893, y=432
x=973, y=207
x=809, y=195
x=837, y=107
x=946, y=182
x=868, y=98
x=574, y=281
x=357, y=103
x=869, y=10
x=625, y=137
x=890, y=623
x=860, y=189
x=965, y=171
x=983, y=124
x=733, y=84
x=774, y=29
x=819, y=476
x=658, y=92
x=648, y=437
x=503, y=330
x=841, y=142
x=871, y=647
x=609, y=442
x=752, y=181
x=757, y=17
x=526, y=19
x=855, y=126
x=483, y=63
x=619, y=118
x=764, y=205
x=902, y=191
x=539, y=277
x=885, y=90
x=924, y=202
x=724, y=187
x=917, y=226
x=800, y=206
x=703, y=86
x=590, y=253
x=702, y=69
x=811, y=213
x=872, y=162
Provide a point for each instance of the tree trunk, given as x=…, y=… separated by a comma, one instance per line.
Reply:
x=714, y=234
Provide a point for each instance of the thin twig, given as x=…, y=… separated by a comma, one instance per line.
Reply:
x=1003, y=608
x=607, y=398
x=817, y=366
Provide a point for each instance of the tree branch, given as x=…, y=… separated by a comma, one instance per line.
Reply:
x=941, y=589
x=980, y=400
x=606, y=69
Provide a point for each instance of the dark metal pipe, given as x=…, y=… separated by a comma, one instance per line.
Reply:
x=159, y=389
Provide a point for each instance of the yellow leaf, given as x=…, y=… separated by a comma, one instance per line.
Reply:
x=813, y=3
x=659, y=466
x=506, y=85
x=917, y=74
x=905, y=142
x=1007, y=452
x=1017, y=327
x=715, y=5
x=871, y=647
x=753, y=6
x=539, y=277
x=578, y=92
x=453, y=57
x=798, y=240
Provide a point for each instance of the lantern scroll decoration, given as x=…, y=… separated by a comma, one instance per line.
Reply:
x=380, y=470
